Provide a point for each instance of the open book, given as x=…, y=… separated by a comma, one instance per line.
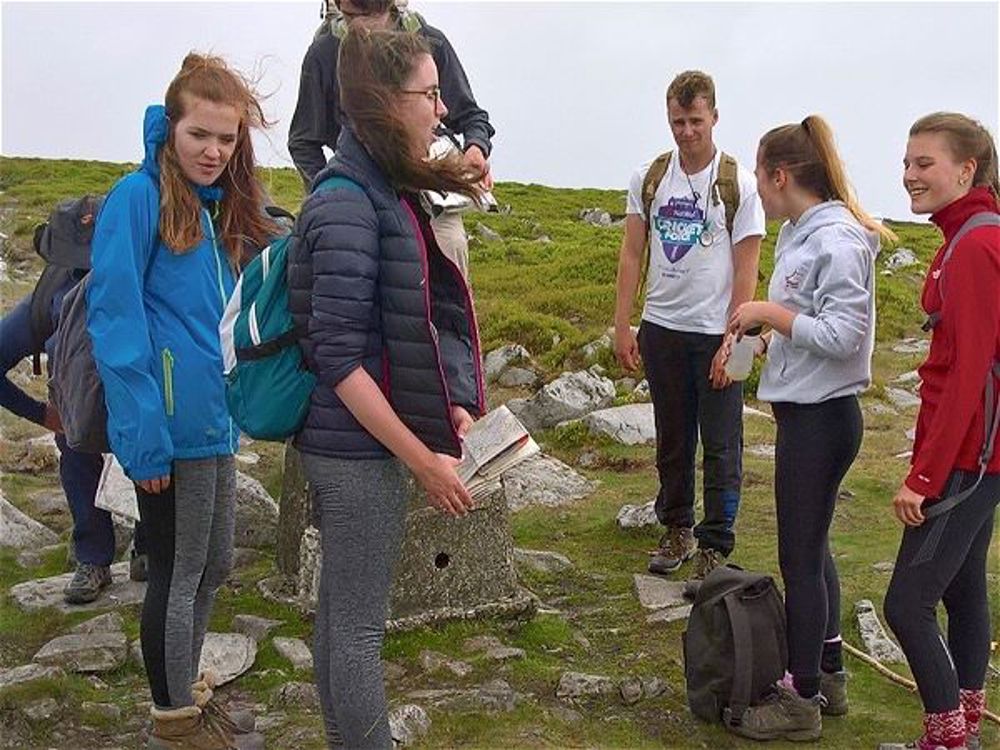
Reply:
x=494, y=444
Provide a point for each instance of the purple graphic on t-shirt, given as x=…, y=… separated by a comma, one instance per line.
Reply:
x=679, y=223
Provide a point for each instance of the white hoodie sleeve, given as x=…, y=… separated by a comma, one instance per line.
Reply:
x=841, y=296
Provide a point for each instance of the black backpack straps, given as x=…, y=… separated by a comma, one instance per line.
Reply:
x=739, y=698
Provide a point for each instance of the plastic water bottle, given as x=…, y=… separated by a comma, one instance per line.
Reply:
x=741, y=354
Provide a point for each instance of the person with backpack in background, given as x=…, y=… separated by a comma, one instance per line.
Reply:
x=821, y=312
x=393, y=341
x=168, y=244
x=317, y=120
x=698, y=214
x=30, y=329
x=948, y=499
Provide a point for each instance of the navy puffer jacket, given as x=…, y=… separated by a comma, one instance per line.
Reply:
x=372, y=288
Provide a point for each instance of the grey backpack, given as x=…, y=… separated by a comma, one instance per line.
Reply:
x=734, y=647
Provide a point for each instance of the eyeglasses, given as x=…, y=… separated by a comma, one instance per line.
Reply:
x=433, y=94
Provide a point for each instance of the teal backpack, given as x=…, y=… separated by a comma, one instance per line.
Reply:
x=268, y=384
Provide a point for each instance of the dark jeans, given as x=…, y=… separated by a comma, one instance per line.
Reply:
x=816, y=445
x=685, y=404
x=955, y=575
x=79, y=473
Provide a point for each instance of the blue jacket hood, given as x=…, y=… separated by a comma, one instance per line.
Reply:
x=155, y=131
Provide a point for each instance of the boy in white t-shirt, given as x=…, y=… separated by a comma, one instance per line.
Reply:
x=699, y=273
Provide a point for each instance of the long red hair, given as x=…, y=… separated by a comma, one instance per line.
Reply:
x=241, y=218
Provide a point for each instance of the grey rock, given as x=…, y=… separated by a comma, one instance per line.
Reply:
x=631, y=690
x=901, y=258
x=243, y=556
x=886, y=566
x=669, y=614
x=877, y=408
x=641, y=392
x=544, y=239
x=255, y=627
x=393, y=671
x=579, y=685
x=637, y=516
x=487, y=234
x=911, y=434
x=542, y=561
x=135, y=653
x=106, y=711
x=494, y=696
x=34, y=556
x=91, y=652
x=40, y=710
x=588, y=459
x=50, y=504
x=505, y=653
x=876, y=642
x=904, y=455
x=912, y=346
x=657, y=593
x=500, y=359
x=653, y=687
x=749, y=411
x=845, y=494
x=40, y=454
x=298, y=695
x=270, y=720
x=20, y=531
x=569, y=396
x=631, y=424
x=256, y=514
x=764, y=451
x=228, y=655
x=295, y=650
x=566, y=714
x=480, y=643
x=596, y=346
x=517, y=377
x=597, y=217
x=901, y=399
x=110, y=622
x=248, y=458
x=433, y=661
x=32, y=596
x=546, y=481
x=29, y=673
x=310, y=565
x=408, y=723
x=908, y=378
x=626, y=384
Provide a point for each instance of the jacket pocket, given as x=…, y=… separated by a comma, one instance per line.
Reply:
x=168, y=382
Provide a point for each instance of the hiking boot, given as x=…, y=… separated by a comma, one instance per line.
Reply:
x=784, y=714
x=833, y=688
x=706, y=560
x=186, y=729
x=87, y=584
x=138, y=567
x=239, y=724
x=676, y=546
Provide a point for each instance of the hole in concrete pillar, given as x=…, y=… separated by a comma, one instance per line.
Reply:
x=441, y=560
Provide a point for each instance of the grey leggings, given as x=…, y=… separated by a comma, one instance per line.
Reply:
x=189, y=543
x=361, y=505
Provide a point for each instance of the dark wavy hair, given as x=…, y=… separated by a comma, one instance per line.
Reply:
x=242, y=218
x=372, y=69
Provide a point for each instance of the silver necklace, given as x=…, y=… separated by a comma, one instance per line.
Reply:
x=705, y=237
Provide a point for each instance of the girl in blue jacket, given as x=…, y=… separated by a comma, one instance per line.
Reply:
x=392, y=339
x=167, y=245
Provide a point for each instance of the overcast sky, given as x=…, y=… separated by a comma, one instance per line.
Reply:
x=574, y=89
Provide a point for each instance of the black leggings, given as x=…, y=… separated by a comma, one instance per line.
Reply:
x=816, y=445
x=956, y=575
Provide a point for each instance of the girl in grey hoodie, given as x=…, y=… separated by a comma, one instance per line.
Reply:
x=821, y=310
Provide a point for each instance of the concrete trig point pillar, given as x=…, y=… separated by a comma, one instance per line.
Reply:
x=449, y=568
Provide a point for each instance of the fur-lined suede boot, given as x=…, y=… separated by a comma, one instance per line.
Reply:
x=186, y=728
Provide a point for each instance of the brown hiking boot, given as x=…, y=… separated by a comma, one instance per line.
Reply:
x=783, y=715
x=238, y=724
x=676, y=546
x=186, y=729
x=706, y=560
x=833, y=688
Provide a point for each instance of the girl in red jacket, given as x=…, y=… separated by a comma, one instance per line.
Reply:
x=951, y=173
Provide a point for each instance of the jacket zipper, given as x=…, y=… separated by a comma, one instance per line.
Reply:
x=222, y=292
x=168, y=381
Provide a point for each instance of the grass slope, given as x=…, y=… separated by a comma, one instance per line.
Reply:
x=551, y=295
